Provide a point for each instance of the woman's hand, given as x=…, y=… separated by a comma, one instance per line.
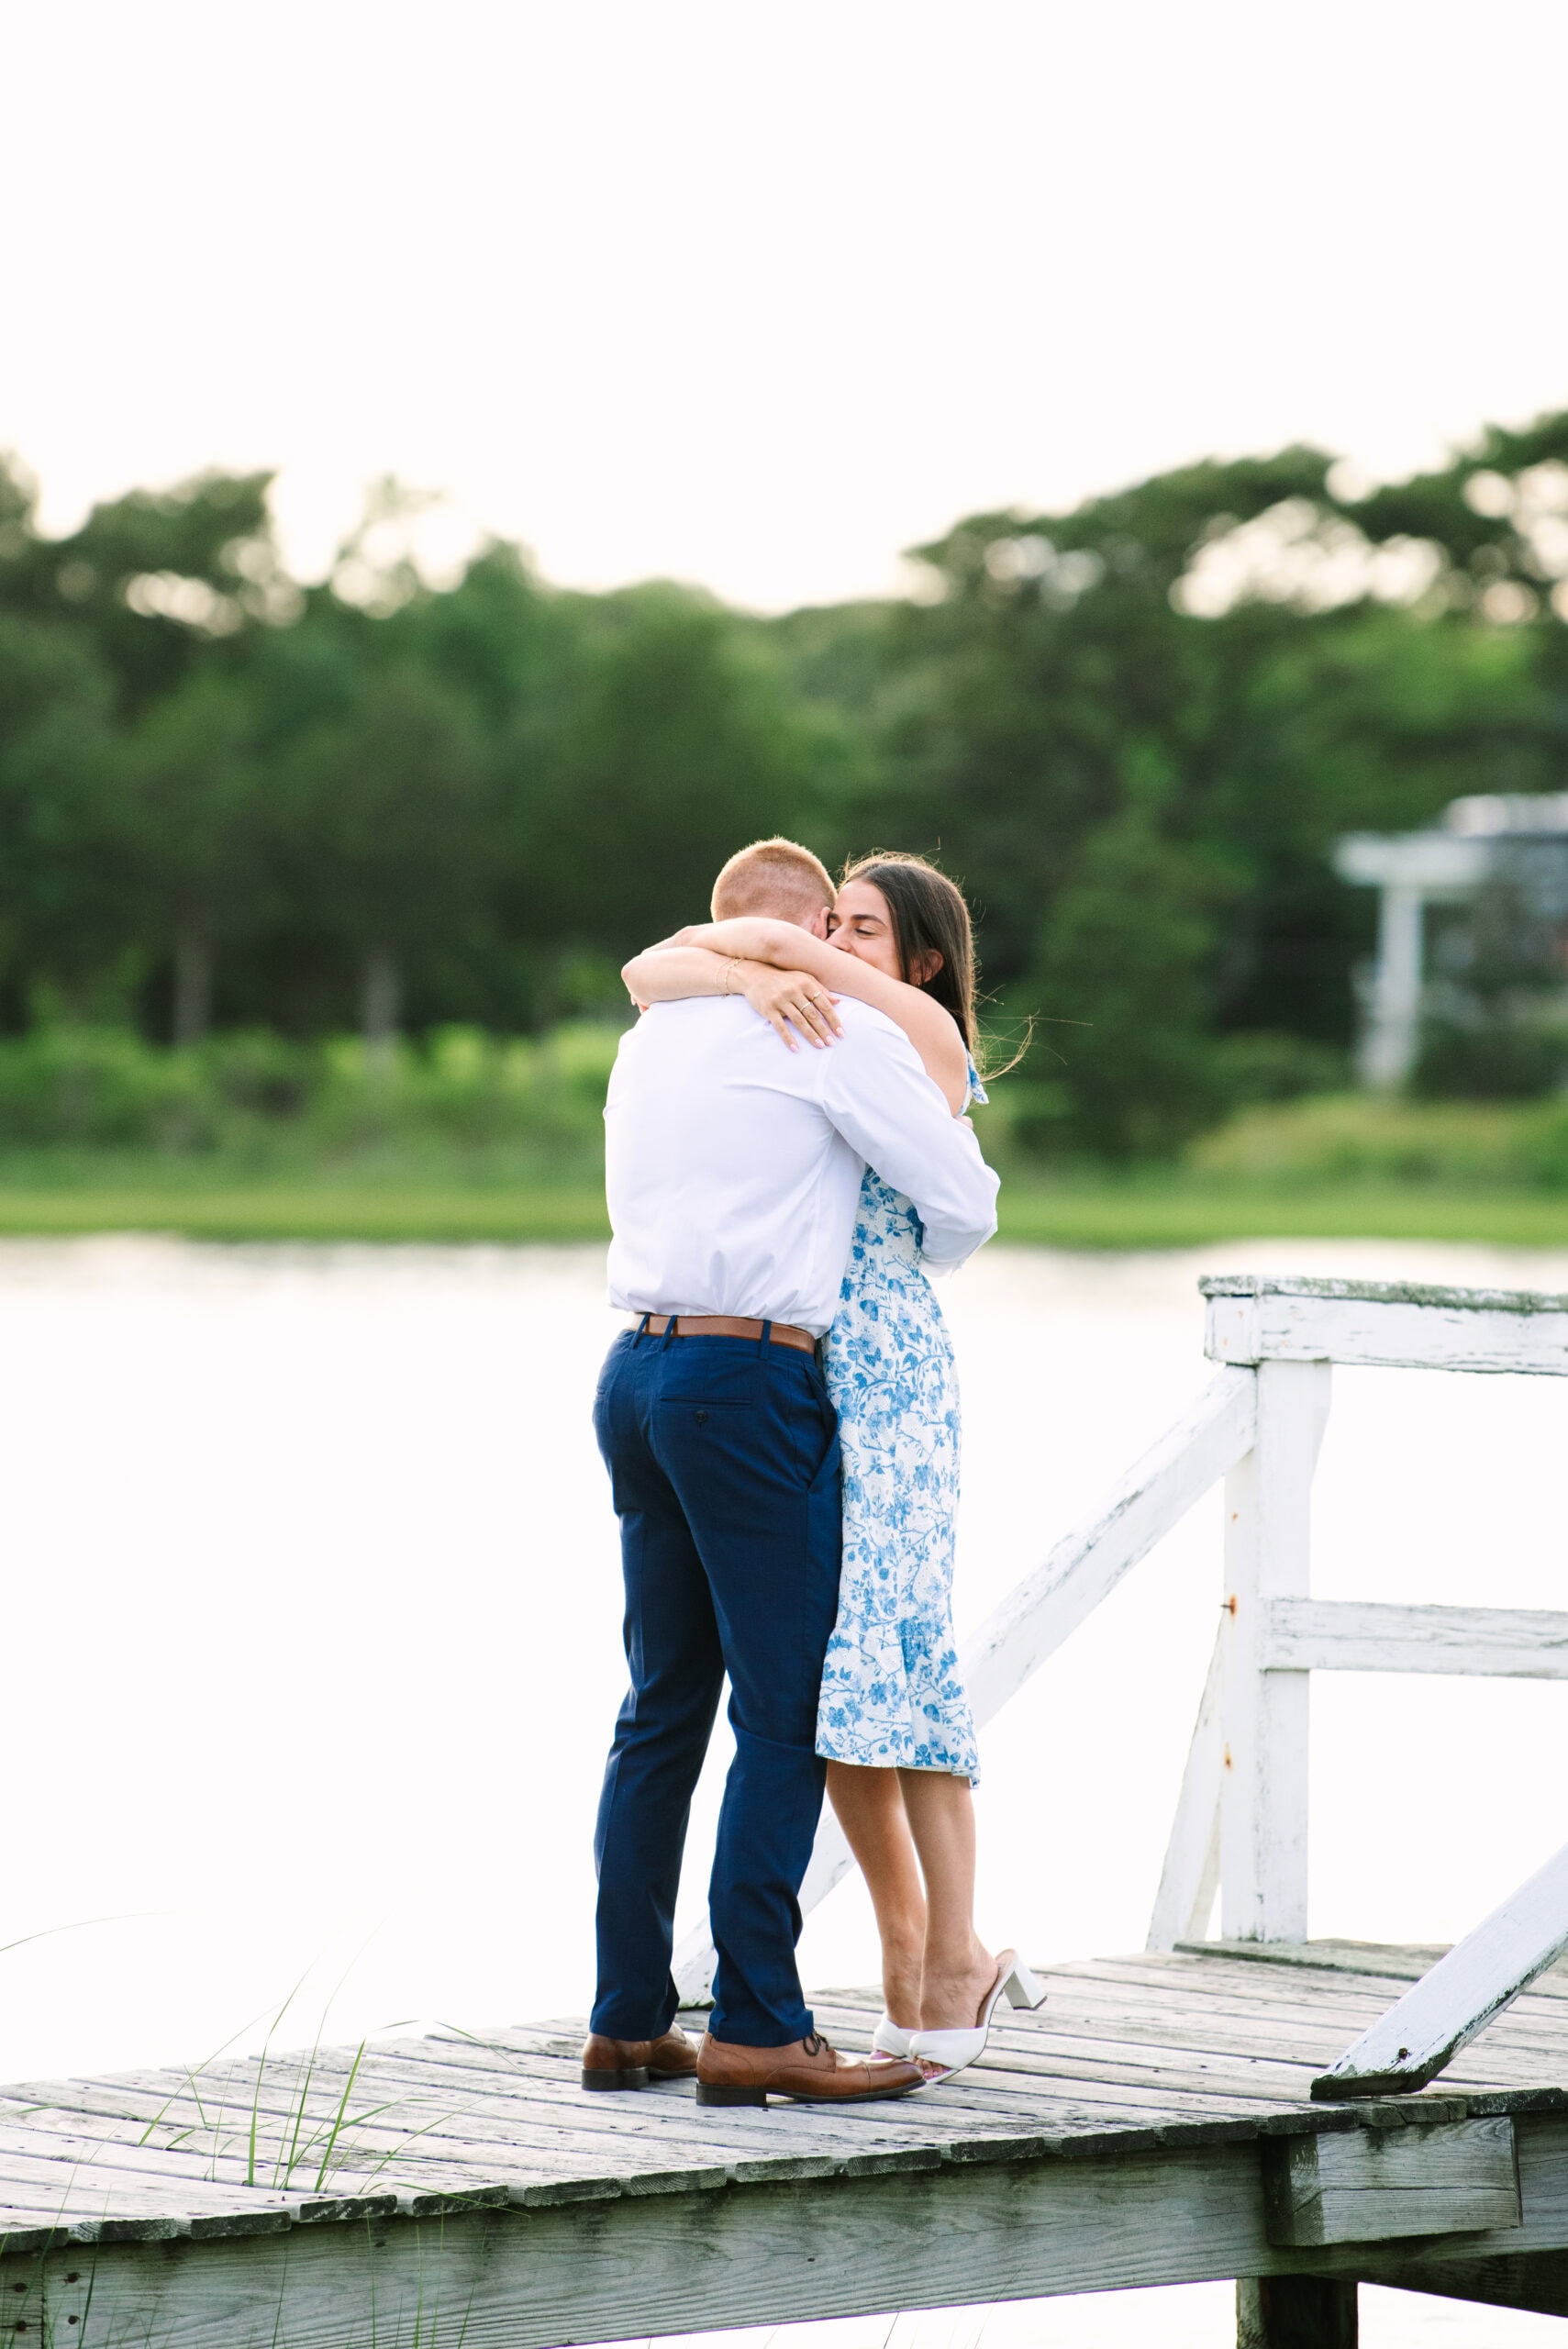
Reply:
x=791, y=1000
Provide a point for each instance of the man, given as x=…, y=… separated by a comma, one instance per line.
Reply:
x=733, y=1168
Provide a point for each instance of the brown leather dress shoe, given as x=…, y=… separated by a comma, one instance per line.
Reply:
x=807, y=2069
x=632, y=2063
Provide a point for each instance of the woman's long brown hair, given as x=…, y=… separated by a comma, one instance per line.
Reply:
x=929, y=916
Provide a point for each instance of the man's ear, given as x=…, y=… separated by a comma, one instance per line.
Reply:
x=817, y=925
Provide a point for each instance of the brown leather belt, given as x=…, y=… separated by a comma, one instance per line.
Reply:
x=730, y=1325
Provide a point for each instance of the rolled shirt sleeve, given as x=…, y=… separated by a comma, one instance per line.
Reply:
x=878, y=1096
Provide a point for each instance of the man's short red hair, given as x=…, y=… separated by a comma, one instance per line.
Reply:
x=777, y=878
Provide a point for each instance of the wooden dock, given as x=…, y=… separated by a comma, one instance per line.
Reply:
x=1150, y=2124
x=1299, y=2116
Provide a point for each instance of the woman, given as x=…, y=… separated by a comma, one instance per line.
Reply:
x=894, y=1722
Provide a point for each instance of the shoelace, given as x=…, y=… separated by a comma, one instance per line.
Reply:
x=815, y=2044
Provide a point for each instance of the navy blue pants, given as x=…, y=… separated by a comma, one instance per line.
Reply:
x=724, y=1461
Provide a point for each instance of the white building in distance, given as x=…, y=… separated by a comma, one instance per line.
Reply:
x=1413, y=871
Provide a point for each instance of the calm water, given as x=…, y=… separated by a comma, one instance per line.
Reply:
x=311, y=1611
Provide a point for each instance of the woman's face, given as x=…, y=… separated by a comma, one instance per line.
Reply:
x=861, y=924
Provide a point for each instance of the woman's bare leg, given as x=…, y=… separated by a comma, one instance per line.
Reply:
x=870, y=1808
x=958, y=1968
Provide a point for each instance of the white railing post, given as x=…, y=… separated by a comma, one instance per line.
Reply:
x=1190, y=1877
x=1265, y=1714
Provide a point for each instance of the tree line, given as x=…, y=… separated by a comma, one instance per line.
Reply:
x=1132, y=731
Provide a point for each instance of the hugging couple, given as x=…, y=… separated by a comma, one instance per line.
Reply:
x=787, y=1155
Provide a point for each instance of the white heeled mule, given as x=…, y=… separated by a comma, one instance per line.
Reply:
x=941, y=2054
x=890, y=2037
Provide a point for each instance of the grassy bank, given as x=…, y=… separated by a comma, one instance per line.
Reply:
x=1177, y=1210
x=304, y=1210
x=1183, y=1211
x=471, y=1138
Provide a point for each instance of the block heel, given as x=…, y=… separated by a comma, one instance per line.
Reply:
x=1023, y=1989
x=635, y=2076
x=712, y=2092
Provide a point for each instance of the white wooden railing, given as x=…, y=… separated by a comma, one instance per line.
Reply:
x=1240, y=1821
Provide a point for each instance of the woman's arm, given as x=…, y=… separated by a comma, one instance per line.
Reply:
x=931, y=1029
x=787, y=1000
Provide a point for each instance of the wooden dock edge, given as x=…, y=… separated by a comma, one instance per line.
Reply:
x=1015, y=2225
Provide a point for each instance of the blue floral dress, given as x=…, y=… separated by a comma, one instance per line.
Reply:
x=891, y=1693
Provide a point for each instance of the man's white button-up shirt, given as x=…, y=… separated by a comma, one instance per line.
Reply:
x=733, y=1165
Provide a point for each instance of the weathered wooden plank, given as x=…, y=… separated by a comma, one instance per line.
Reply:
x=475, y=2081
x=1048, y=1605
x=789, y=2145
x=1526, y=2037
x=1542, y=2148
x=1355, y=1635
x=631, y=2137
x=1442, y=2013
x=1147, y=2010
x=24, y=2232
x=406, y=2150
x=1534, y=2026
x=410, y=2156
x=1240, y=2002
x=626, y=2270
x=768, y=2255
x=72, y=2162
x=1370, y=2185
x=96, y=2185
x=1268, y=1502
x=502, y=2104
x=1156, y=2058
x=1217, y=1986
x=1242, y=2053
x=1164, y=2082
x=1514, y=2051
x=1237, y=1995
x=1536, y=2281
x=1372, y=1961
x=1240, y=2059
x=1386, y=1324
x=1190, y=1876
x=1225, y=1976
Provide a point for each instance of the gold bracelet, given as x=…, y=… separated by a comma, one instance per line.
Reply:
x=730, y=970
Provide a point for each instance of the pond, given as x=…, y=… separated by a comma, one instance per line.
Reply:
x=311, y=1644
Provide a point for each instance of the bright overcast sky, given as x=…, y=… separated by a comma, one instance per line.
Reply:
x=754, y=293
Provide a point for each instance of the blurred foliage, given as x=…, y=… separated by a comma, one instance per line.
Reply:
x=256, y=1096
x=232, y=804
x=1335, y=1141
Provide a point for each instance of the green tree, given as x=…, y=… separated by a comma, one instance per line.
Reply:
x=1124, y=985
x=63, y=913
x=387, y=813
x=676, y=741
x=191, y=805
x=156, y=576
